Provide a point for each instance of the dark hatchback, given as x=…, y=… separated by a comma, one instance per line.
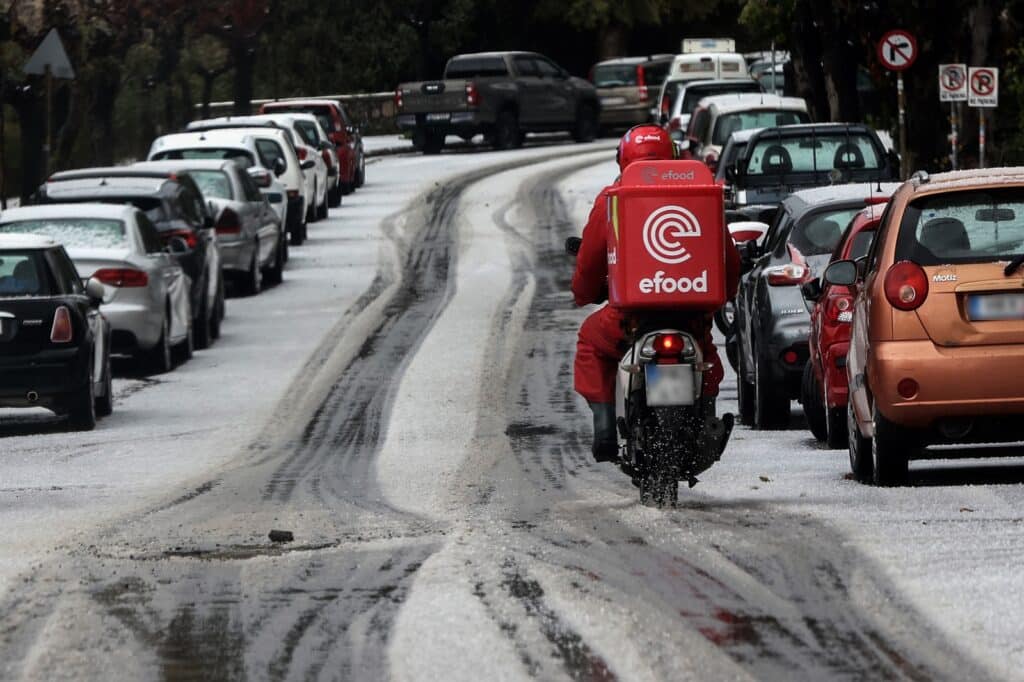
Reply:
x=54, y=343
x=175, y=205
x=772, y=320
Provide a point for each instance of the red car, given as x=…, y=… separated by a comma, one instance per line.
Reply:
x=824, y=388
x=340, y=129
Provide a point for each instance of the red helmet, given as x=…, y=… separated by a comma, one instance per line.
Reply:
x=644, y=143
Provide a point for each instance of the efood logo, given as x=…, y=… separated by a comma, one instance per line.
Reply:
x=664, y=230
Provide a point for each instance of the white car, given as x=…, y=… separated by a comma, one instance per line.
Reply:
x=269, y=147
x=307, y=147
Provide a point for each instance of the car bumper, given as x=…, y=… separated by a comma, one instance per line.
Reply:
x=235, y=254
x=952, y=382
x=454, y=121
x=787, y=350
x=626, y=116
x=135, y=325
x=49, y=373
x=833, y=362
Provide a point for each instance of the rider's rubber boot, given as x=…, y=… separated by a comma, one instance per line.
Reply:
x=606, y=443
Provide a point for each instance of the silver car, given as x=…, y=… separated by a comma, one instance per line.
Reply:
x=146, y=293
x=249, y=233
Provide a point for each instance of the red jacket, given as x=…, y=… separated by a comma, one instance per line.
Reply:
x=590, y=281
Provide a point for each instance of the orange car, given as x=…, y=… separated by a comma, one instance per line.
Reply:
x=937, y=345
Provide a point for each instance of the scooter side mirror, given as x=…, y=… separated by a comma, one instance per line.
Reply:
x=572, y=245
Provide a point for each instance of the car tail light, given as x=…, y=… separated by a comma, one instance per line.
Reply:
x=188, y=235
x=62, y=331
x=228, y=222
x=472, y=98
x=906, y=285
x=840, y=309
x=675, y=124
x=302, y=153
x=293, y=193
x=790, y=274
x=398, y=98
x=122, y=277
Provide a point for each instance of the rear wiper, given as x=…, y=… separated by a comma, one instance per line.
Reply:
x=1012, y=266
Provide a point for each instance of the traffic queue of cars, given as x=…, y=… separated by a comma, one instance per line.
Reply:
x=135, y=260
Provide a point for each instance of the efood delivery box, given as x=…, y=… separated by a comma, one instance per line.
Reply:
x=666, y=245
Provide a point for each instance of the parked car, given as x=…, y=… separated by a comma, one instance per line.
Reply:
x=628, y=88
x=249, y=233
x=718, y=117
x=341, y=130
x=679, y=98
x=771, y=318
x=503, y=95
x=55, y=343
x=307, y=148
x=175, y=206
x=937, y=342
x=264, y=146
x=145, y=292
x=823, y=390
x=781, y=160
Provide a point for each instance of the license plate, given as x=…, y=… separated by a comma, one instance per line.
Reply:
x=438, y=117
x=613, y=101
x=669, y=385
x=995, y=307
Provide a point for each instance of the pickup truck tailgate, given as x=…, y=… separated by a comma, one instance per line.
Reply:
x=434, y=97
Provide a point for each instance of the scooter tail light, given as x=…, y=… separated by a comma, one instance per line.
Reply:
x=62, y=331
x=906, y=285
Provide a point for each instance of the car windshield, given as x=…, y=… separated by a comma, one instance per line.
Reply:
x=240, y=156
x=307, y=129
x=963, y=227
x=73, y=232
x=727, y=124
x=214, y=184
x=23, y=273
x=729, y=155
x=818, y=233
x=476, y=67
x=695, y=93
x=615, y=75
x=775, y=155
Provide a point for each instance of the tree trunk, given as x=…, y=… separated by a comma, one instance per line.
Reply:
x=244, y=63
x=807, y=61
x=611, y=41
x=33, y=128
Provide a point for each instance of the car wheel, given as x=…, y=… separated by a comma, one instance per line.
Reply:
x=186, y=349
x=275, y=272
x=585, y=129
x=254, y=276
x=313, y=210
x=82, y=408
x=506, y=131
x=835, y=424
x=201, y=327
x=744, y=391
x=105, y=402
x=334, y=196
x=361, y=172
x=890, y=452
x=158, y=359
x=321, y=211
x=810, y=397
x=296, y=229
x=771, y=409
x=218, y=309
x=433, y=143
x=860, y=448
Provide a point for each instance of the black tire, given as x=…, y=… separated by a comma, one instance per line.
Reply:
x=274, y=274
x=361, y=172
x=891, y=445
x=810, y=397
x=159, y=359
x=586, y=126
x=105, y=402
x=433, y=143
x=253, y=283
x=187, y=348
x=321, y=211
x=218, y=309
x=313, y=210
x=296, y=230
x=202, y=326
x=771, y=408
x=745, y=393
x=835, y=425
x=506, y=131
x=859, y=447
x=81, y=408
x=334, y=196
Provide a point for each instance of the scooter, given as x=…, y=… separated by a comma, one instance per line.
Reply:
x=670, y=431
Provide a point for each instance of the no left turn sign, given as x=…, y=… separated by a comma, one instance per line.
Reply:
x=983, y=85
x=897, y=50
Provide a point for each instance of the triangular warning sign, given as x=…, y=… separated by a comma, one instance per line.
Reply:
x=50, y=53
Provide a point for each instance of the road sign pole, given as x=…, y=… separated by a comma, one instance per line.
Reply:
x=48, y=142
x=981, y=138
x=903, y=126
x=954, y=138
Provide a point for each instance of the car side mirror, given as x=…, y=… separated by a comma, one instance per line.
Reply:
x=572, y=245
x=279, y=167
x=841, y=273
x=260, y=177
x=811, y=290
x=307, y=164
x=94, y=291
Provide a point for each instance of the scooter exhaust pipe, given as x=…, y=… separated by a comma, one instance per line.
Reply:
x=32, y=396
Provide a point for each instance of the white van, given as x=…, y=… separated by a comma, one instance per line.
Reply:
x=708, y=66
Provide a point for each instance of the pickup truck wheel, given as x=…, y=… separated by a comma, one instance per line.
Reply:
x=506, y=131
x=433, y=143
x=586, y=126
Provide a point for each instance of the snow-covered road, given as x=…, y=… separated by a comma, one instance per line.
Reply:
x=403, y=404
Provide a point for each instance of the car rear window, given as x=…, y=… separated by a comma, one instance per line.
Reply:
x=23, y=273
x=73, y=232
x=240, y=156
x=727, y=124
x=695, y=93
x=270, y=152
x=615, y=75
x=214, y=184
x=818, y=233
x=308, y=131
x=323, y=114
x=476, y=67
x=655, y=73
x=977, y=226
x=812, y=153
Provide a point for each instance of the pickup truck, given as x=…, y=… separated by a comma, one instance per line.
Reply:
x=503, y=95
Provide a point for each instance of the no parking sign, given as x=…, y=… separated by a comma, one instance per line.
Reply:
x=984, y=87
x=952, y=82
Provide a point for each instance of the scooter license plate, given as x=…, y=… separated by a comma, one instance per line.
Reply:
x=669, y=385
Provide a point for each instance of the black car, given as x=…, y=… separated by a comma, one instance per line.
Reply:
x=175, y=205
x=54, y=343
x=772, y=320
